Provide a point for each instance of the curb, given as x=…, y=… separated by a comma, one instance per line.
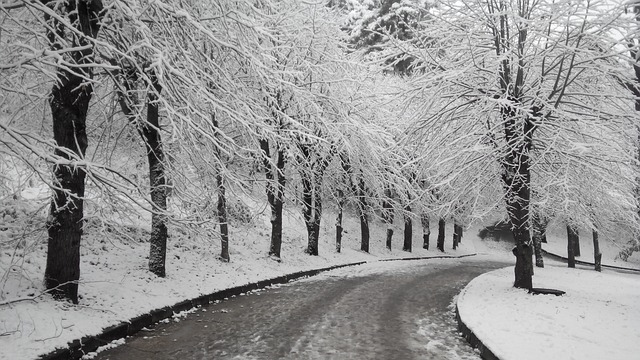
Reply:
x=80, y=347
x=472, y=339
x=586, y=263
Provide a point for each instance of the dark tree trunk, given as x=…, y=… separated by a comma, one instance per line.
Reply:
x=157, y=181
x=516, y=180
x=597, y=255
x=339, y=221
x=456, y=234
x=69, y=102
x=222, y=203
x=222, y=218
x=312, y=216
x=537, y=249
x=275, y=194
x=387, y=217
x=576, y=244
x=441, y=233
x=424, y=219
x=460, y=234
x=312, y=194
x=571, y=254
x=150, y=133
x=539, y=236
x=408, y=230
x=364, y=218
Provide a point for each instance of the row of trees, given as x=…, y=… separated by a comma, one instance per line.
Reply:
x=198, y=94
x=429, y=110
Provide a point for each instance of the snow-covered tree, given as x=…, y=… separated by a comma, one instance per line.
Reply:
x=515, y=89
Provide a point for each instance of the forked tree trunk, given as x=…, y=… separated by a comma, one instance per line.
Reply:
x=441, y=233
x=222, y=202
x=408, y=230
x=571, y=254
x=597, y=255
x=312, y=194
x=275, y=194
x=69, y=102
x=424, y=219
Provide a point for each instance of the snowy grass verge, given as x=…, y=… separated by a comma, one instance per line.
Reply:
x=596, y=319
x=116, y=287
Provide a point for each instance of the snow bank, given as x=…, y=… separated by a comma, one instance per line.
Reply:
x=597, y=318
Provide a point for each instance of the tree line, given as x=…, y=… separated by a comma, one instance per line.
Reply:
x=437, y=111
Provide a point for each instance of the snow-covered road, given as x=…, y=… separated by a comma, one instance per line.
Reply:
x=382, y=310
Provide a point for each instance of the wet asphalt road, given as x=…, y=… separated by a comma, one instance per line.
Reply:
x=399, y=311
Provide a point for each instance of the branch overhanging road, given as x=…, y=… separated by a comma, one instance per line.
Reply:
x=396, y=310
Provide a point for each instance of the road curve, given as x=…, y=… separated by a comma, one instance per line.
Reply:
x=396, y=310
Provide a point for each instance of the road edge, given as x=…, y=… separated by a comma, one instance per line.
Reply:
x=468, y=334
x=473, y=340
x=76, y=349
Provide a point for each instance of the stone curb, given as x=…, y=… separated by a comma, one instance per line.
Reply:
x=80, y=347
x=472, y=339
x=586, y=263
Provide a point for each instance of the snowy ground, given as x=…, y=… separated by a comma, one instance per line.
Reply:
x=596, y=319
x=115, y=285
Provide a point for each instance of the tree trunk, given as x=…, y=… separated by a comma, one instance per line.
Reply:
x=441, y=233
x=571, y=255
x=157, y=181
x=460, y=233
x=364, y=219
x=312, y=222
x=537, y=248
x=312, y=178
x=456, y=234
x=387, y=218
x=69, y=102
x=516, y=181
x=408, y=230
x=339, y=221
x=576, y=243
x=309, y=211
x=222, y=203
x=222, y=219
x=275, y=194
x=150, y=133
x=597, y=255
x=424, y=219
x=539, y=237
